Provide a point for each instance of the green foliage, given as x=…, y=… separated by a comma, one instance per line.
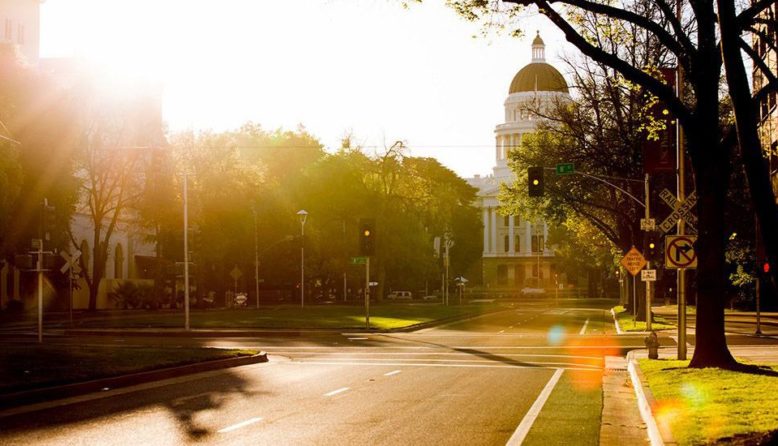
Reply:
x=128, y=294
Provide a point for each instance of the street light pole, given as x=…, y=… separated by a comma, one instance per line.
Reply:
x=303, y=214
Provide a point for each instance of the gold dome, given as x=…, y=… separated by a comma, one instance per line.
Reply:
x=538, y=76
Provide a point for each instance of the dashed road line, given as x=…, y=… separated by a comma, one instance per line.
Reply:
x=239, y=425
x=337, y=391
x=393, y=372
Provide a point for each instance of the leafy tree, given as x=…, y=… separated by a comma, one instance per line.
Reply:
x=693, y=42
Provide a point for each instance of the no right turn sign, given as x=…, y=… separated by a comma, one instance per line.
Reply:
x=679, y=251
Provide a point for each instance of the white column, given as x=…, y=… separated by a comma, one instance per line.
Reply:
x=486, y=230
x=526, y=247
x=545, y=237
x=494, y=230
x=511, y=243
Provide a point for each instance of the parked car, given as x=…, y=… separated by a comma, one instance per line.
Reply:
x=529, y=291
x=400, y=295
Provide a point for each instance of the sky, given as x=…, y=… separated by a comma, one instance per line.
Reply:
x=369, y=68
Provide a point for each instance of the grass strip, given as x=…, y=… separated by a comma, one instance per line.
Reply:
x=627, y=323
x=701, y=406
x=286, y=316
x=33, y=366
x=572, y=413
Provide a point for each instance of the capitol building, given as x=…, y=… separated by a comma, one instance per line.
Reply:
x=515, y=251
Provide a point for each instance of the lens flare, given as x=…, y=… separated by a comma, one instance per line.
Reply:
x=556, y=335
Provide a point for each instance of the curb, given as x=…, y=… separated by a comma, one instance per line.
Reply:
x=657, y=436
x=619, y=331
x=25, y=397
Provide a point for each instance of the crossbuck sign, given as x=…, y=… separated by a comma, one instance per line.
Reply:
x=680, y=210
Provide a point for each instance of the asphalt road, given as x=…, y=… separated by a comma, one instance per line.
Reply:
x=477, y=382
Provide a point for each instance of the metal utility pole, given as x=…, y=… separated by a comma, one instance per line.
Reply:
x=303, y=214
x=648, y=264
x=680, y=159
x=256, y=258
x=186, y=252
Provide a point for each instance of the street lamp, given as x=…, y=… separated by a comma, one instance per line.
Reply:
x=302, y=214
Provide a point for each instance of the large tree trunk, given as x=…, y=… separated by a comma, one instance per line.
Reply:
x=756, y=168
x=710, y=341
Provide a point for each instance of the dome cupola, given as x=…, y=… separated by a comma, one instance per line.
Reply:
x=538, y=75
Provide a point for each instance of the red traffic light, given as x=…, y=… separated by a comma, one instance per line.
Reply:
x=766, y=267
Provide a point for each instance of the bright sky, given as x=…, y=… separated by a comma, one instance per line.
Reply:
x=368, y=67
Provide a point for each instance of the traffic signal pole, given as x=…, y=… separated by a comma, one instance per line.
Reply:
x=367, y=293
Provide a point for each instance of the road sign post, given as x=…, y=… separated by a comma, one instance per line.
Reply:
x=633, y=262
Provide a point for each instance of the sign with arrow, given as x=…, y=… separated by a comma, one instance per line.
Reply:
x=565, y=168
x=679, y=251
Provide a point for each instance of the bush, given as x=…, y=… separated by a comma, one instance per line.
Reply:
x=129, y=295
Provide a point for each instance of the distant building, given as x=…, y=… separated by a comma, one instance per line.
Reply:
x=20, y=25
x=515, y=251
x=136, y=106
x=768, y=111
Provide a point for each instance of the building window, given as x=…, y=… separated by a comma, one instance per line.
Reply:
x=517, y=244
x=8, y=29
x=118, y=262
x=507, y=243
x=537, y=243
x=518, y=275
x=506, y=221
x=85, y=255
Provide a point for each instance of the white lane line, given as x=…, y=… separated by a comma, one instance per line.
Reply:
x=357, y=339
x=583, y=329
x=358, y=355
x=529, y=419
x=493, y=365
x=502, y=331
x=239, y=425
x=337, y=391
x=393, y=372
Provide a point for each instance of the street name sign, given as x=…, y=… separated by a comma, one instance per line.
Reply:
x=633, y=261
x=648, y=275
x=679, y=251
x=565, y=168
x=682, y=210
x=358, y=260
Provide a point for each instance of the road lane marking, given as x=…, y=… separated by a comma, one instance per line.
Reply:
x=502, y=331
x=486, y=365
x=337, y=391
x=239, y=425
x=529, y=419
x=357, y=339
x=394, y=372
x=583, y=329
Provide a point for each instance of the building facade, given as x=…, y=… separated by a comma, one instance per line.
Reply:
x=20, y=25
x=516, y=254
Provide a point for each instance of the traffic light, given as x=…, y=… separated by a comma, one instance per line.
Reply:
x=535, y=181
x=653, y=248
x=366, y=237
x=766, y=267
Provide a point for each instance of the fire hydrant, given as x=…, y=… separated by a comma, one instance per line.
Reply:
x=652, y=343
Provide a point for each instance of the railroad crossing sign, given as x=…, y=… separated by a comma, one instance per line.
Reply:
x=633, y=261
x=70, y=262
x=648, y=275
x=679, y=251
x=680, y=210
